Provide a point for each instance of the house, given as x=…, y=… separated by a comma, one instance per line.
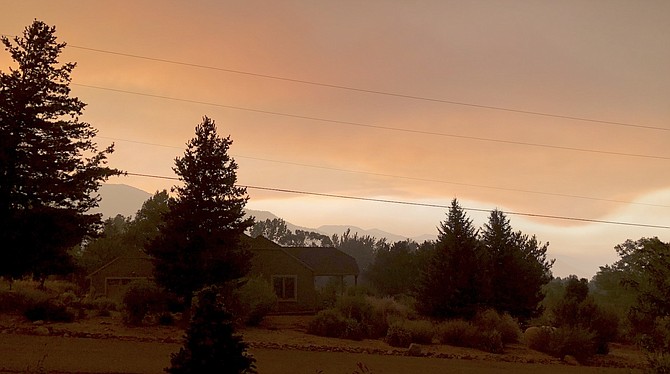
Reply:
x=112, y=279
x=291, y=271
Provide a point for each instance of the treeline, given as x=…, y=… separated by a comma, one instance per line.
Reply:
x=464, y=271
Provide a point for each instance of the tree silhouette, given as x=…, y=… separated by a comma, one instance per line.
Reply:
x=210, y=344
x=50, y=167
x=452, y=283
x=518, y=268
x=198, y=243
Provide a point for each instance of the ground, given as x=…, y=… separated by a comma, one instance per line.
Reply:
x=280, y=344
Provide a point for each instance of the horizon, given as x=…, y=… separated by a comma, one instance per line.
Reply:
x=549, y=109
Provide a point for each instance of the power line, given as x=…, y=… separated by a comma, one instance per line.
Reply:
x=377, y=127
x=409, y=203
x=410, y=178
x=375, y=92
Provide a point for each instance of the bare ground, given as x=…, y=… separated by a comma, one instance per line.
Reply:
x=281, y=345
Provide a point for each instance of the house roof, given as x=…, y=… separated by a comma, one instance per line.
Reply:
x=324, y=260
x=121, y=259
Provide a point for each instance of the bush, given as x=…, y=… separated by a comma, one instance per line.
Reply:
x=141, y=298
x=102, y=305
x=402, y=333
x=462, y=333
x=574, y=341
x=422, y=331
x=211, y=344
x=657, y=363
x=255, y=299
x=457, y=332
x=49, y=310
x=398, y=336
x=329, y=322
x=166, y=319
x=506, y=325
x=489, y=341
x=539, y=338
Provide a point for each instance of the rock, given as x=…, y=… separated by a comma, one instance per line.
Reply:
x=38, y=323
x=66, y=335
x=105, y=323
x=41, y=330
x=414, y=350
x=570, y=360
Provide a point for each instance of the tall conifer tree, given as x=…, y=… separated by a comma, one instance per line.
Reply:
x=199, y=241
x=50, y=167
x=518, y=267
x=452, y=284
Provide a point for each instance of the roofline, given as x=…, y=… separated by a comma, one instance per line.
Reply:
x=116, y=259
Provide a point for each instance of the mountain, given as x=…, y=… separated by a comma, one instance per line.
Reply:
x=120, y=199
x=127, y=200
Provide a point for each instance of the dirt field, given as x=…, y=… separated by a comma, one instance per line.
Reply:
x=103, y=345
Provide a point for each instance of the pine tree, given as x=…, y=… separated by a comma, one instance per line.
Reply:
x=452, y=284
x=199, y=241
x=517, y=267
x=210, y=344
x=50, y=167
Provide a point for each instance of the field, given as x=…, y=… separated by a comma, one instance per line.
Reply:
x=104, y=345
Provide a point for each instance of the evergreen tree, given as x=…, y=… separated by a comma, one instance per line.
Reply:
x=452, y=284
x=518, y=268
x=199, y=241
x=50, y=167
x=210, y=344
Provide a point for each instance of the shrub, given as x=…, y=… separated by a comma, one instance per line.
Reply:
x=402, y=333
x=166, y=319
x=211, y=344
x=657, y=363
x=422, y=331
x=462, y=333
x=506, y=325
x=328, y=322
x=398, y=336
x=538, y=338
x=574, y=341
x=354, y=330
x=49, y=310
x=577, y=342
x=102, y=305
x=255, y=299
x=489, y=341
x=458, y=333
x=141, y=298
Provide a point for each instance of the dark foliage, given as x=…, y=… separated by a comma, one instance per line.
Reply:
x=50, y=167
x=48, y=310
x=517, y=266
x=578, y=314
x=452, y=283
x=199, y=241
x=211, y=344
x=277, y=231
x=141, y=298
x=397, y=267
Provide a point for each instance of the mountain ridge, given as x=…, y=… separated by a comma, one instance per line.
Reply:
x=127, y=200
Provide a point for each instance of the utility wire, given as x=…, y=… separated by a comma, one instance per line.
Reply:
x=375, y=92
x=409, y=203
x=408, y=178
x=377, y=127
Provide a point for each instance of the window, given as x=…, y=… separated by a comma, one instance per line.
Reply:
x=285, y=286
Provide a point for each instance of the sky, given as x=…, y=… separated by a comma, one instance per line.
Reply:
x=543, y=108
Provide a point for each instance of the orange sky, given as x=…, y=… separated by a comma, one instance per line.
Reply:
x=603, y=60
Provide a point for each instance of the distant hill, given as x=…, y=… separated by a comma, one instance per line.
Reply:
x=120, y=199
x=127, y=200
